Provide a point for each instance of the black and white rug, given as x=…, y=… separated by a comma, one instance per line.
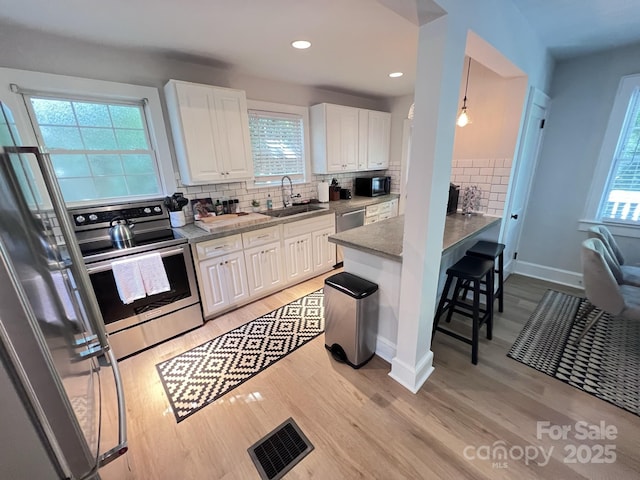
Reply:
x=606, y=362
x=203, y=374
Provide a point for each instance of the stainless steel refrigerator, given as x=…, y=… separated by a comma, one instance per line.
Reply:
x=54, y=352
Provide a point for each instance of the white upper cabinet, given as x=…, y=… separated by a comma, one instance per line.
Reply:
x=347, y=139
x=210, y=129
x=378, y=135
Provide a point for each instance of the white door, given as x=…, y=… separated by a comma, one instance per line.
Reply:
x=198, y=133
x=213, y=285
x=233, y=133
x=378, y=139
x=305, y=255
x=324, y=253
x=255, y=274
x=522, y=176
x=236, y=279
x=291, y=248
x=272, y=266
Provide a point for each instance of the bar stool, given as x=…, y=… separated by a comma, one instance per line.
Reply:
x=469, y=272
x=491, y=251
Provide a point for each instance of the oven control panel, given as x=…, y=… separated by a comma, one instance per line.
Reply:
x=104, y=216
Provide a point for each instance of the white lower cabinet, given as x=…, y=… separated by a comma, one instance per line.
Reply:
x=223, y=282
x=298, y=257
x=324, y=253
x=264, y=268
x=236, y=269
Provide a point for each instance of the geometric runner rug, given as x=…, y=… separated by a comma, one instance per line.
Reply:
x=606, y=362
x=203, y=374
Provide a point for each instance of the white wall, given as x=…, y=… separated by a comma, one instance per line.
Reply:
x=582, y=94
x=37, y=51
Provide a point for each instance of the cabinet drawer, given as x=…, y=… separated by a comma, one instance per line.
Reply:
x=218, y=246
x=385, y=208
x=372, y=210
x=260, y=237
x=307, y=226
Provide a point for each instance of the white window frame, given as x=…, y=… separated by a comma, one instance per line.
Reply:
x=290, y=109
x=627, y=87
x=73, y=87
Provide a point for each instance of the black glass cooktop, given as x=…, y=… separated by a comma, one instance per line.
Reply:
x=144, y=241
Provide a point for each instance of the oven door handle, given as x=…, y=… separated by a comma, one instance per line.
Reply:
x=103, y=267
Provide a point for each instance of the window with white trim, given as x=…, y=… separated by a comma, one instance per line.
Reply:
x=614, y=196
x=278, y=142
x=107, y=140
x=621, y=197
x=99, y=150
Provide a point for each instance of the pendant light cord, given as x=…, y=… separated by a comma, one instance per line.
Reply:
x=464, y=101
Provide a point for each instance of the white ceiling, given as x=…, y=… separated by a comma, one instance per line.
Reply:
x=356, y=43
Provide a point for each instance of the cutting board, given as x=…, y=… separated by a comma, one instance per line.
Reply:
x=214, y=224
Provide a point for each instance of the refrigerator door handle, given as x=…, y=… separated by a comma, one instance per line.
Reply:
x=122, y=447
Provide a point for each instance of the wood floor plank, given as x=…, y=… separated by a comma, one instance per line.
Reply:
x=361, y=422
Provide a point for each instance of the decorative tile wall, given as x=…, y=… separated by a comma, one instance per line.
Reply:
x=239, y=190
x=490, y=175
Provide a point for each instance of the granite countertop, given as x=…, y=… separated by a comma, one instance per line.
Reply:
x=384, y=238
x=195, y=234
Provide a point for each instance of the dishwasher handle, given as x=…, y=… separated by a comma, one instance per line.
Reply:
x=349, y=220
x=355, y=212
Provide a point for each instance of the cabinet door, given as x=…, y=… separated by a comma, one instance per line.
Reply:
x=272, y=260
x=264, y=268
x=342, y=138
x=363, y=139
x=233, y=133
x=324, y=252
x=255, y=273
x=194, y=124
x=235, y=276
x=298, y=257
x=214, y=294
x=378, y=137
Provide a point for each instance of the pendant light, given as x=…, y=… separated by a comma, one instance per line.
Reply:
x=463, y=118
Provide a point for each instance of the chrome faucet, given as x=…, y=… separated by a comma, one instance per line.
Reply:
x=286, y=197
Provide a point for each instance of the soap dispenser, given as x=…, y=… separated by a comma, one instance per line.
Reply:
x=269, y=202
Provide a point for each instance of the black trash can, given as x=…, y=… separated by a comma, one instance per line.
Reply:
x=351, y=318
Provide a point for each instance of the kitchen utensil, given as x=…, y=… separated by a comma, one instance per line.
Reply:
x=120, y=233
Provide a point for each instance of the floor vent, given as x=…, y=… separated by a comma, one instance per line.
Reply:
x=278, y=452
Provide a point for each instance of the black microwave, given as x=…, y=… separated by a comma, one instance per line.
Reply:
x=372, y=186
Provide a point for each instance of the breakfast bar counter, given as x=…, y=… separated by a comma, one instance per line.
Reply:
x=384, y=238
x=374, y=252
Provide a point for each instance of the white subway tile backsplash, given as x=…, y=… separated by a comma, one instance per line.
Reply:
x=499, y=188
x=471, y=171
x=486, y=171
x=502, y=171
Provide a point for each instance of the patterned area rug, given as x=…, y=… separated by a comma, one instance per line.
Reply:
x=606, y=362
x=203, y=374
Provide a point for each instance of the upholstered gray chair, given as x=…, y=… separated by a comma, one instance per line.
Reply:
x=625, y=274
x=601, y=288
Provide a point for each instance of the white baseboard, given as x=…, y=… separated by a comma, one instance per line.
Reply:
x=385, y=349
x=550, y=274
x=410, y=377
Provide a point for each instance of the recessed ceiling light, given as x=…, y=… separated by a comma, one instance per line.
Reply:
x=396, y=74
x=301, y=44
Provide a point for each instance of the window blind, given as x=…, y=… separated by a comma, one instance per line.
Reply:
x=621, y=197
x=277, y=143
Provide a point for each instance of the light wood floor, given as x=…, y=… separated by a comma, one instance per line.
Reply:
x=361, y=422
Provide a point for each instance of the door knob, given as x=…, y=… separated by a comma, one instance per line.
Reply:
x=515, y=217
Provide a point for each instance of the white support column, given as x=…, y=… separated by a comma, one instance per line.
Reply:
x=441, y=52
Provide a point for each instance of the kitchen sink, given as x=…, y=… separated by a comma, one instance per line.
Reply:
x=294, y=210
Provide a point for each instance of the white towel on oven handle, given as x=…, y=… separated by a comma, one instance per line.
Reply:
x=154, y=276
x=128, y=280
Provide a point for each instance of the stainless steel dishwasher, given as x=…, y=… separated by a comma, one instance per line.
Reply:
x=347, y=221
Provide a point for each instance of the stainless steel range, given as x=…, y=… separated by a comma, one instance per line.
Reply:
x=150, y=320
